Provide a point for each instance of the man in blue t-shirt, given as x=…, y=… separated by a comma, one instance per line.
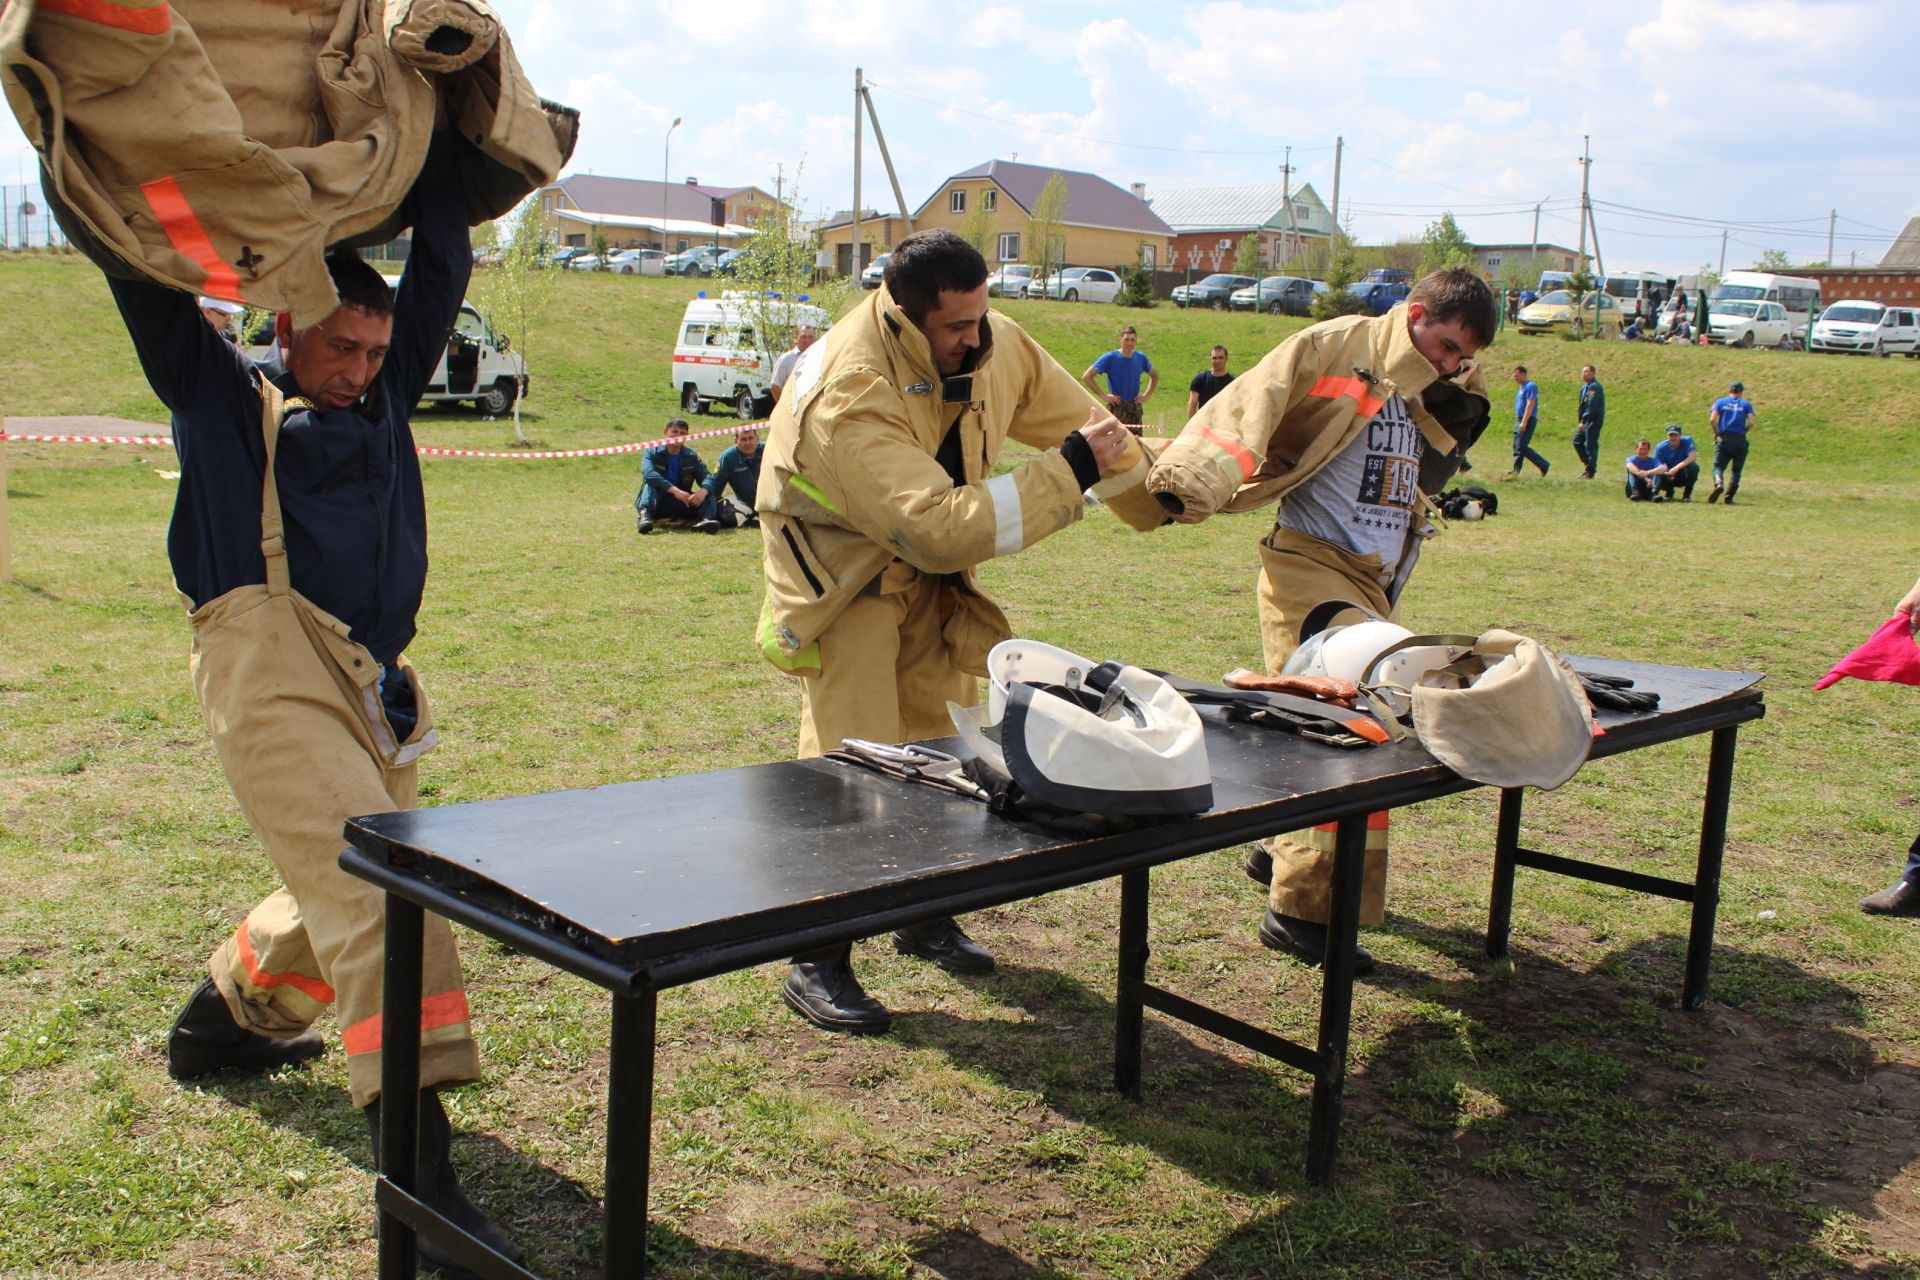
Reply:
x=1679, y=462
x=1526, y=418
x=1643, y=473
x=1124, y=368
x=1732, y=417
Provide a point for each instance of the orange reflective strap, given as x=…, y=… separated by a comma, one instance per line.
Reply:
x=149, y=19
x=443, y=1009
x=312, y=988
x=1331, y=388
x=1247, y=463
x=183, y=227
x=1375, y=822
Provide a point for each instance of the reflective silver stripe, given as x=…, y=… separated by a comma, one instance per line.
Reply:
x=1120, y=483
x=1009, y=528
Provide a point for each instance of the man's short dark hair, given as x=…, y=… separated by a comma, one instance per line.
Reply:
x=929, y=263
x=1126, y=329
x=1217, y=347
x=358, y=284
x=1519, y=368
x=675, y=422
x=1459, y=294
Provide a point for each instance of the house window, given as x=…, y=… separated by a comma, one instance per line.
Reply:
x=989, y=199
x=1147, y=252
x=1493, y=260
x=957, y=201
x=1009, y=245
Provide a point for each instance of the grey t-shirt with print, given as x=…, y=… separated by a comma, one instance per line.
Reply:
x=1363, y=499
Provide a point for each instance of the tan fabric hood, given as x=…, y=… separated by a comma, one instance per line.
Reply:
x=1525, y=723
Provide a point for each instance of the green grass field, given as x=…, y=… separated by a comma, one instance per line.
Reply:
x=1552, y=1116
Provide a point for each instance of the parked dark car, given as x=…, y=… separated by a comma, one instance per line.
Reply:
x=697, y=261
x=1277, y=296
x=1380, y=298
x=1215, y=291
x=1387, y=275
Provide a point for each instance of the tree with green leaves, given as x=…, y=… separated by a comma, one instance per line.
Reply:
x=1444, y=245
x=1342, y=270
x=1136, y=283
x=1772, y=260
x=1706, y=278
x=1246, y=256
x=601, y=249
x=773, y=274
x=978, y=229
x=1046, y=235
x=515, y=292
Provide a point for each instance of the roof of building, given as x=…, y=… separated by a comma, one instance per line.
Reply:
x=1197, y=209
x=1906, y=247
x=640, y=197
x=1092, y=201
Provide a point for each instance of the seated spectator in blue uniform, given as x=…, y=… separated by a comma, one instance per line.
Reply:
x=738, y=471
x=1633, y=332
x=1642, y=472
x=1679, y=464
x=674, y=484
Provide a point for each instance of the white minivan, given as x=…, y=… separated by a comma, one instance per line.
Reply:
x=478, y=364
x=717, y=353
x=1870, y=328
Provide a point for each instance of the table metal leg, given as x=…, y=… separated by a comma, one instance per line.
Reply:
x=1706, y=879
x=400, y=1079
x=1127, y=1004
x=629, y=1136
x=1336, y=997
x=1506, y=841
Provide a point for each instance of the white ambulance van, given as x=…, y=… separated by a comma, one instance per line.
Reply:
x=718, y=356
x=478, y=364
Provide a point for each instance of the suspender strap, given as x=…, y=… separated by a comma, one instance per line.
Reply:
x=273, y=543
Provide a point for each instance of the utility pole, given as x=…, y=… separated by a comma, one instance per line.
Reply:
x=1534, y=251
x=1586, y=206
x=1723, y=255
x=1286, y=206
x=873, y=118
x=1339, y=144
x=1832, y=216
x=854, y=255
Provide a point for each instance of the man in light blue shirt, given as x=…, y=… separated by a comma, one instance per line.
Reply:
x=1124, y=369
x=1526, y=417
x=1732, y=417
x=1679, y=465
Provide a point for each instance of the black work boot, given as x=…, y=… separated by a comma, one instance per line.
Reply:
x=1259, y=866
x=206, y=1039
x=1901, y=900
x=438, y=1187
x=821, y=987
x=1306, y=941
x=945, y=943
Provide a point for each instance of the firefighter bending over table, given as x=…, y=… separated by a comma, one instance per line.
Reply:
x=877, y=501
x=1344, y=424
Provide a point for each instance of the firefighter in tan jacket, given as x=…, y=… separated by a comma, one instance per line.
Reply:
x=877, y=500
x=1346, y=424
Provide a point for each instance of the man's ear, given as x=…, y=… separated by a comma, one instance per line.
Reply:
x=283, y=329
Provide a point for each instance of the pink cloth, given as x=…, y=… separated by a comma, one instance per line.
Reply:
x=1889, y=654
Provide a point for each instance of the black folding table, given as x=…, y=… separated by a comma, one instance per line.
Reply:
x=769, y=860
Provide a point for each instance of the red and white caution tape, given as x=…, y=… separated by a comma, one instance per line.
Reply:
x=427, y=450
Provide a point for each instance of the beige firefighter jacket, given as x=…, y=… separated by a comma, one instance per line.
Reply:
x=1299, y=407
x=850, y=482
x=221, y=146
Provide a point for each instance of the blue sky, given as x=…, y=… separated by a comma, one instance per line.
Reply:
x=1762, y=113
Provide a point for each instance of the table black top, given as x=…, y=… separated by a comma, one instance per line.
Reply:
x=663, y=881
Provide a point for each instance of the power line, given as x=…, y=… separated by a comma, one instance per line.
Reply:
x=1760, y=168
x=1484, y=195
x=1081, y=137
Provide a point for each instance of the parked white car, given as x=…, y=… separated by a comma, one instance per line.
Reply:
x=638, y=262
x=876, y=273
x=1748, y=324
x=1079, y=284
x=1869, y=328
x=1010, y=281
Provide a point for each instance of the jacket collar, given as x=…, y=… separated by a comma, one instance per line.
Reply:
x=912, y=355
x=1396, y=359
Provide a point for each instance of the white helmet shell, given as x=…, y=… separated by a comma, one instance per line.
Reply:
x=1349, y=651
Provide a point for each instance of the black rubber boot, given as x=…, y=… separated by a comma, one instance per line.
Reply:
x=206, y=1039
x=945, y=943
x=1306, y=941
x=439, y=1189
x=1259, y=866
x=821, y=987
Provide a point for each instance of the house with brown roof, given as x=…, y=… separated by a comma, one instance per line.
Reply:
x=1103, y=225
x=641, y=212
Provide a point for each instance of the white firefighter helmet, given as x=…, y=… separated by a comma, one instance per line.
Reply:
x=1096, y=738
x=1344, y=652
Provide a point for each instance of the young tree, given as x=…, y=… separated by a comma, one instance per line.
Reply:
x=774, y=275
x=1444, y=245
x=1772, y=260
x=1136, y=286
x=978, y=230
x=1706, y=278
x=600, y=249
x=1342, y=270
x=1046, y=241
x=1246, y=256
x=515, y=292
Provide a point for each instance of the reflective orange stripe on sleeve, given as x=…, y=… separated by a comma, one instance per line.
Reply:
x=313, y=988
x=183, y=227
x=1375, y=822
x=444, y=1009
x=1232, y=448
x=142, y=19
x=1331, y=388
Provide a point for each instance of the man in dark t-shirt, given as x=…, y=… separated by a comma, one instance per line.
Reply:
x=1209, y=382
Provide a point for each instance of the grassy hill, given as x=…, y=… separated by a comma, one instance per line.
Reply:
x=1552, y=1116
